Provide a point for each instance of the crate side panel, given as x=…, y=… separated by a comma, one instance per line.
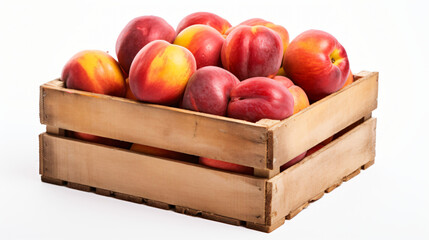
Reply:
x=313, y=175
x=323, y=119
x=178, y=183
x=158, y=126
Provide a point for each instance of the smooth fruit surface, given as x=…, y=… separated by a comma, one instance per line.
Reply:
x=316, y=62
x=252, y=52
x=208, y=90
x=349, y=79
x=283, y=33
x=284, y=80
x=94, y=71
x=139, y=32
x=206, y=18
x=204, y=42
x=160, y=72
x=300, y=99
x=256, y=98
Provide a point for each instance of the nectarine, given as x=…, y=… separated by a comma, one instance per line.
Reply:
x=208, y=90
x=205, y=18
x=94, y=71
x=160, y=72
x=252, y=52
x=204, y=42
x=316, y=62
x=139, y=32
x=256, y=98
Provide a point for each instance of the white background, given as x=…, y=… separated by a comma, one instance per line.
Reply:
x=388, y=201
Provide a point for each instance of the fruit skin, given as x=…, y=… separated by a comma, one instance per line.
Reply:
x=232, y=167
x=139, y=32
x=160, y=72
x=256, y=98
x=128, y=93
x=252, y=52
x=204, y=42
x=208, y=90
x=283, y=33
x=163, y=153
x=300, y=99
x=94, y=71
x=284, y=80
x=98, y=139
x=205, y=18
x=316, y=62
x=349, y=79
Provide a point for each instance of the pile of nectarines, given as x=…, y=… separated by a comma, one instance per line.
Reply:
x=250, y=71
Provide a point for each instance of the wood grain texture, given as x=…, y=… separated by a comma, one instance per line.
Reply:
x=152, y=203
x=55, y=130
x=368, y=164
x=41, y=157
x=223, y=219
x=189, y=185
x=351, y=175
x=333, y=186
x=266, y=228
x=323, y=119
x=265, y=173
x=300, y=183
x=164, y=127
x=297, y=210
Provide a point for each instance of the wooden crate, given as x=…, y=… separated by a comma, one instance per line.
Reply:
x=261, y=202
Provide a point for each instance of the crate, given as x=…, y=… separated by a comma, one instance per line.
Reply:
x=260, y=202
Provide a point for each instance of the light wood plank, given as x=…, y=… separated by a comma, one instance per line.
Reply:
x=168, y=181
x=298, y=184
x=295, y=212
x=266, y=228
x=41, y=157
x=265, y=173
x=164, y=127
x=55, y=130
x=368, y=164
x=333, y=186
x=323, y=119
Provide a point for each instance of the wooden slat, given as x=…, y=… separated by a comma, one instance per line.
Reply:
x=295, y=212
x=333, y=186
x=139, y=200
x=323, y=119
x=297, y=185
x=189, y=185
x=55, y=130
x=265, y=173
x=266, y=228
x=351, y=175
x=368, y=164
x=223, y=219
x=169, y=128
x=41, y=160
